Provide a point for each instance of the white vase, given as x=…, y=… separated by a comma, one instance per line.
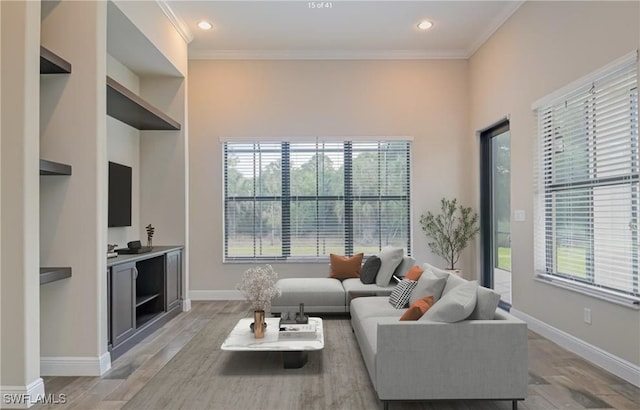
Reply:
x=456, y=272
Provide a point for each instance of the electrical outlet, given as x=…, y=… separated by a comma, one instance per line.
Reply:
x=587, y=315
x=519, y=215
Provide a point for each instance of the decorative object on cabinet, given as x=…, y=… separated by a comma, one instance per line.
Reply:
x=134, y=247
x=111, y=250
x=150, y=230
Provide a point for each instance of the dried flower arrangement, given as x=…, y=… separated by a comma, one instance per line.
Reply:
x=259, y=286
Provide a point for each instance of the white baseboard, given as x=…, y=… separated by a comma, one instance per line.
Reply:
x=22, y=397
x=611, y=363
x=75, y=366
x=105, y=363
x=186, y=305
x=215, y=295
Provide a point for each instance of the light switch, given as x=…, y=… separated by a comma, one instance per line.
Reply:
x=519, y=215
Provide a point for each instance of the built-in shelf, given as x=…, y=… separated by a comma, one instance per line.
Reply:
x=141, y=320
x=126, y=106
x=141, y=300
x=54, y=168
x=51, y=63
x=48, y=275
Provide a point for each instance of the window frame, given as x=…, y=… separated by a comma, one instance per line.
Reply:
x=548, y=189
x=287, y=199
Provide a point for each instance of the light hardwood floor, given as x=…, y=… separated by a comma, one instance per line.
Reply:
x=204, y=377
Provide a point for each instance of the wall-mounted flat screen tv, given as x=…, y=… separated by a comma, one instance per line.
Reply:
x=119, y=195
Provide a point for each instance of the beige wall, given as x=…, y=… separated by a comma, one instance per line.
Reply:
x=542, y=47
x=269, y=99
x=123, y=147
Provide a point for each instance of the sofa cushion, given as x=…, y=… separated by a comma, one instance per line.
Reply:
x=455, y=306
x=366, y=332
x=428, y=285
x=486, y=304
x=373, y=306
x=399, y=298
x=343, y=267
x=355, y=286
x=404, y=266
x=370, y=270
x=414, y=273
x=317, y=294
x=390, y=258
x=437, y=271
x=418, y=308
x=453, y=281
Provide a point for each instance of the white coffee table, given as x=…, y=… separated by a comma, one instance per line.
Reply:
x=294, y=351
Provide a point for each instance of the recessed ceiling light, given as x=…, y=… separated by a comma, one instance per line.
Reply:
x=425, y=25
x=205, y=25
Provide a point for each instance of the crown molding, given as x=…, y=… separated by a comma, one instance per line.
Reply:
x=178, y=23
x=513, y=6
x=326, y=55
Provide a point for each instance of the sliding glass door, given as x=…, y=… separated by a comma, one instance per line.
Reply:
x=495, y=209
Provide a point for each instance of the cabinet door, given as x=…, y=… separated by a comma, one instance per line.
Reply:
x=123, y=302
x=173, y=279
x=109, y=341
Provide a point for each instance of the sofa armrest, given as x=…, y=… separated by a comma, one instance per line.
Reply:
x=475, y=359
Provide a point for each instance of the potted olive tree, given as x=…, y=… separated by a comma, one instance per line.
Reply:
x=450, y=230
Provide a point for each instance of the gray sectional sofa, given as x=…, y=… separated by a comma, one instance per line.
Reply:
x=428, y=360
x=425, y=359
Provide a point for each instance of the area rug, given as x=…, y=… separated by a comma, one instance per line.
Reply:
x=201, y=376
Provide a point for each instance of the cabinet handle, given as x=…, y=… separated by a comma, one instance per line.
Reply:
x=136, y=271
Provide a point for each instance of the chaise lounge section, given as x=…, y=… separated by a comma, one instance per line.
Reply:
x=427, y=360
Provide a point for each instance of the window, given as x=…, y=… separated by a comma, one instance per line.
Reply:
x=290, y=200
x=587, y=184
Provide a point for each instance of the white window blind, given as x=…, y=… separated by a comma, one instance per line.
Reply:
x=587, y=192
x=292, y=200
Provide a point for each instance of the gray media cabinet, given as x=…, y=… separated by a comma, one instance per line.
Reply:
x=143, y=293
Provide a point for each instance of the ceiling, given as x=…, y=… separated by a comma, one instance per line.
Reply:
x=347, y=29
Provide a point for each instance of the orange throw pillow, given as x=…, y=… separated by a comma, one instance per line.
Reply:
x=418, y=308
x=343, y=268
x=414, y=273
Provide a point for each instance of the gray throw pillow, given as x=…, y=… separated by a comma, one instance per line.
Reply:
x=405, y=265
x=390, y=259
x=437, y=271
x=453, y=281
x=455, y=306
x=486, y=304
x=428, y=285
x=370, y=270
x=399, y=297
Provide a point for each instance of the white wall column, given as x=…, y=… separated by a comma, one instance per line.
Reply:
x=74, y=209
x=20, y=301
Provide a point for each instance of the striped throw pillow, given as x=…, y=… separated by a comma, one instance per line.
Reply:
x=399, y=297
